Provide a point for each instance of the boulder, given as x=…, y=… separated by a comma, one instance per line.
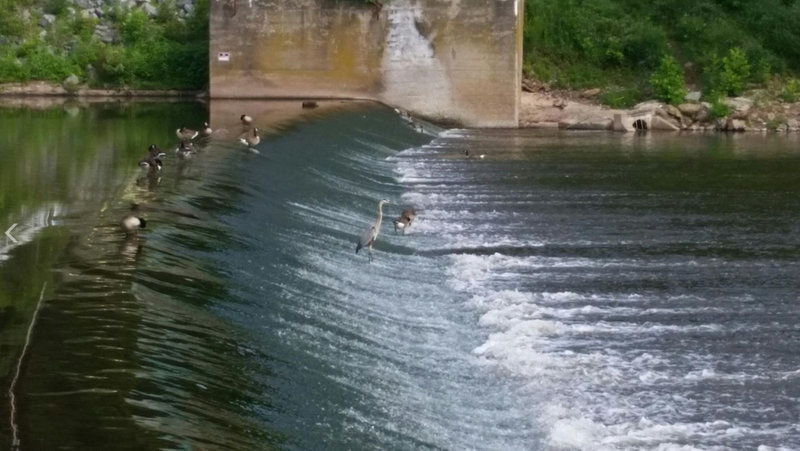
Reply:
x=591, y=93
x=672, y=111
x=662, y=123
x=735, y=125
x=71, y=84
x=46, y=20
x=740, y=106
x=693, y=96
x=149, y=9
x=690, y=109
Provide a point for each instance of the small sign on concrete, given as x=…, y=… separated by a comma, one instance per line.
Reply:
x=223, y=56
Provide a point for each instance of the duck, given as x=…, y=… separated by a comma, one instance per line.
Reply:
x=405, y=219
x=206, y=131
x=186, y=134
x=131, y=223
x=251, y=140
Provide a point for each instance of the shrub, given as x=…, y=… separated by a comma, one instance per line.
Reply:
x=719, y=109
x=667, y=81
x=617, y=97
x=735, y=72
x=790, y=92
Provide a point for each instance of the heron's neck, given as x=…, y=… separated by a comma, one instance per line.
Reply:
x=380, y=210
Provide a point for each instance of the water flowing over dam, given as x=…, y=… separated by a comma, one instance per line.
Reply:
x=556, y=291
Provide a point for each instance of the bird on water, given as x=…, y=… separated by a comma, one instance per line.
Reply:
x=246, y=120
x=251, y=140
x=405, y=219
x=186, y=134
x=131, y=223
x=371, y=233
x=206, y=131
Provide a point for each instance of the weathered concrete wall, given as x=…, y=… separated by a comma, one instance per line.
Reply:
x=454, y=60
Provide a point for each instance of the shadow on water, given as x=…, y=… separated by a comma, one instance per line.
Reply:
x=126, y=352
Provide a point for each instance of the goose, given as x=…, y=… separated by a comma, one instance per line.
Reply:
x=246, y=120
x=405, y=219
x=131, y=223
x=371, y=233
x=186, y=134
x=152, y=163
x=251, y=140
x=206, y=131
x=155, y=152
x=184, y=150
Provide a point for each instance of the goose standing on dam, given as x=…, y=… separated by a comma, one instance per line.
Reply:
x=371, y=234
x=405, y=219
x=251, y=140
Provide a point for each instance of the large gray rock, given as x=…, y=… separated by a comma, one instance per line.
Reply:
x=149, y=9
x=690, y=109
x=46, y=20
x=740, y=106
x=693, y=96
x=72, y=84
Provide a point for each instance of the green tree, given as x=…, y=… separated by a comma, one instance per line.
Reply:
x=667, y=81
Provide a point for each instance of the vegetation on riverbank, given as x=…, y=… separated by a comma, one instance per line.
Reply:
x=721, y=47
x=54, y=40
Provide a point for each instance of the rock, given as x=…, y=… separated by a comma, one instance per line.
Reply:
x=591, y=93
x=560, y=103
x=690, y=109
x=672, y=111
x=735, y=125
x=72, y=84
x=84, y=4
x=740, y=106
x=106, y=34
x=188, y=8
x=662, y=123
x=46, y=20
x=648, y=106
x=87, y=14
x=693, y=96
x=702, y=115
x=149, y=9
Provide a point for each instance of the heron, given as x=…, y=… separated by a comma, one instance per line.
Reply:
x=371, y=234
x=405, y=219
x=131, y=223
x=186, y=134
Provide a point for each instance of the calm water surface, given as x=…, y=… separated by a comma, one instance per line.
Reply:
x=564, y=291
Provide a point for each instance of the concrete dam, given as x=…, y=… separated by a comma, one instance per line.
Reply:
x=457, y=61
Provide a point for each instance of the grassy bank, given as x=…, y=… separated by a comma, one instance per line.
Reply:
x=720, y=46
x=52, y=41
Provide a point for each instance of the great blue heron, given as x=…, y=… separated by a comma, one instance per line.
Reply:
x=371, y=234
x=186, y=134
x=131, y=223
x=405, y=219
x=251, y=140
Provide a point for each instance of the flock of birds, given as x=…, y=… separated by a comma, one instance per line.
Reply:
x=152, y=163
